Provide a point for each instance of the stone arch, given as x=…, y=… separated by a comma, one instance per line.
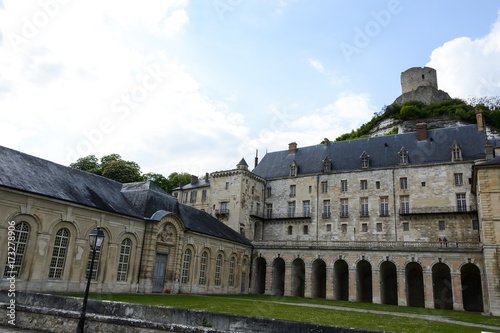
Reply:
x=341, y=280
x=388, y=283
x=33, y=220
x=298, y=277
x=278, y=283
x=364, y=289
x=259, y=286
x=442, y=287
x=414, y=277
x=318, y=279
x=472, y=291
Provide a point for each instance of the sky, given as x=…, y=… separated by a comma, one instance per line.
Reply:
x=194, y=86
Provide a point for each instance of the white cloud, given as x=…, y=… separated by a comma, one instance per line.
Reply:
x=468, y=67
x=347, y=112
x=317, y=65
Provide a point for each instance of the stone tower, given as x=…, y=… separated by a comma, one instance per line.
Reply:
x=416, y=77
x=420, y=84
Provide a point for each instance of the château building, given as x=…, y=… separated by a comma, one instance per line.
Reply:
x=410, y=219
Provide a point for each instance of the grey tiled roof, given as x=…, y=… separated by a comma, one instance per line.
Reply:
x=197, y=184
x=145, y=200
x=383, y=152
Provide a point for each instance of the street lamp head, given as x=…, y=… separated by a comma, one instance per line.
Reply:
x=96, y=237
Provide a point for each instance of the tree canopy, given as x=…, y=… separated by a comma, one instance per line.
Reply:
x=114, y=167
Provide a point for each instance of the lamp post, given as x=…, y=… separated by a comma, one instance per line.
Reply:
x=95, y=239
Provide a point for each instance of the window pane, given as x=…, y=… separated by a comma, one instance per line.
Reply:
x=59, y=254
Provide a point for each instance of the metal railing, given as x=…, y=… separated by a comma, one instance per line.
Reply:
x=369, y=244
x=432, y=210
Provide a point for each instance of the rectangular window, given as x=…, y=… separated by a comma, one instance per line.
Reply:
x=461, y=203
x=344, y=227
x=192, y=198
x=185, y=198
x=344, y=207
x=423, y=184
x=364, y=207
x=223, y=208
x=379, y=227
x=384, y=206
x=377, y=185
x=203, y=268
x=310, y=189
x=176, y=195
x=291, y=209
x=475, y=225
x=307, y=208
x=406, y=226
x=364, y=227
x=405, y=204
x=343, y=185
x=124, y=260
x=203, y=195
x=269, y=211
x=442, y=225
x=227, y=185
x=268, y=192
x=328, y=227
x=459, y=179
x=306, y=230
x=324, y=187
x=326, y=209
x=364, y=185
x=290, y=230
x=95, y=269
x=292, y=191
x=403, y=181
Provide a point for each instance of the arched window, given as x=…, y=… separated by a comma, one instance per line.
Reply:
x=231, y=272
x=59, y=254
x=327, y=165
x=185, y=266
x=456, y=152
x=218, y=267
x=21, y=233
x=293, y=169
x=365, y=160
x=203, y=268
x=124, y=260
x=97, y=260
x=403, y=156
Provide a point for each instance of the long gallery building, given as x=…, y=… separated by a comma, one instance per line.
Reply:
x=356, y=220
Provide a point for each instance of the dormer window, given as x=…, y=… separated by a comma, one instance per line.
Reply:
x=403, y=156
x=327, y=165
x=456, y=152
x=365, y=160
x=293, y=169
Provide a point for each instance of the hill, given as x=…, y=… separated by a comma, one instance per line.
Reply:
x=402, y=118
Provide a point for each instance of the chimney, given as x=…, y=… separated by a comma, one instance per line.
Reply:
x=194, y=179
x=256, y=157
x=479, y=119
x=421, y=131
x=206, y=177
x=181, y=184
x=490, y=154
x=292, y=148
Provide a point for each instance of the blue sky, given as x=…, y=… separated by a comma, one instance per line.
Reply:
x=193, y=86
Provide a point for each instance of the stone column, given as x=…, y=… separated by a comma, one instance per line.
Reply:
x=329, y=282
x=376, y=284
x=307, y=280
x=352, y=285
x=288, y=280
x=269, y=278
x=429, y=293
x=402, y=297
x=456, y=282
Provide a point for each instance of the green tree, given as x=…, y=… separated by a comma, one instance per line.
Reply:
x=157, y=179
x=88, y=163
x=176, y=178
x=121, y=171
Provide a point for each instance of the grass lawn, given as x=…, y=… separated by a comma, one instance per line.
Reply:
x=266, y=306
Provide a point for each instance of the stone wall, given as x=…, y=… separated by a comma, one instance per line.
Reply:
x=60, y=314
x=416, y=77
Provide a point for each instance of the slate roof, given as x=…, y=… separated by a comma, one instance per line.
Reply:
x=197, y=184
x=144, y=200
x=383, y=152
x=493, y=161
